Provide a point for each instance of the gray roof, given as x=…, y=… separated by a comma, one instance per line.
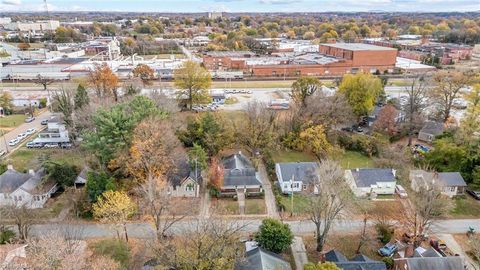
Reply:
x=260, y=259
x=359, y=262
x=366, y=177
x=238, y=171
x=11, y=180
x=433, y=128
x=446, y=179
x=183, y=172
x=435, y=263
x=303, y=171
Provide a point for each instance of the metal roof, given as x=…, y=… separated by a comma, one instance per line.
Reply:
x=358, y=47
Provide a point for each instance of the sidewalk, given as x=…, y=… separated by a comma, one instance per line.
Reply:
x=299, y=252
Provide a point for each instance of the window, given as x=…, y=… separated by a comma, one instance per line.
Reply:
x=304, y=187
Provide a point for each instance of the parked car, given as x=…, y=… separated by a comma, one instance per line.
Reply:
x=30, y=131
x=388, y=250
x=29, y=119
x=21, y=136
x=13, y=142
x=66, y=145
x=44, y=122
x=347, y=129
x=51, y=145
x=401, y=191
x=30, y=145
x=2, y=153
x=475, y=194
x=359, y=129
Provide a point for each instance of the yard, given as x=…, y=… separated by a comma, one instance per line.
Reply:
x=11, y=121
x=352, y=160
x=291, y=156
x=24, y=159
x=465, y=207
x=255, y=207
x=300, y=205
x=225, y=206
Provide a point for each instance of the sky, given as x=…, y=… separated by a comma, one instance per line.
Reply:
x=242, y=5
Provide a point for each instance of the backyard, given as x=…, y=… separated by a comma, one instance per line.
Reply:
x=24, y=159
x=351, y=160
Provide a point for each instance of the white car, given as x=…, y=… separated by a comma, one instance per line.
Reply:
x=401, y=191
x=21, y=136
x=13, y=142
x=30, y=131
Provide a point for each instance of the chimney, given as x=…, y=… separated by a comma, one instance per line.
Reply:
x=357, y=169
x=31, y=172
x=9, y=167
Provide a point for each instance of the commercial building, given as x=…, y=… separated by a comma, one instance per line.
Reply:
x=330, y=60
x=38, y=26
x=55, y=133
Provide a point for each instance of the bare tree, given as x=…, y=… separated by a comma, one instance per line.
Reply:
x=416, y=93
x=64, y=104
x=327, y=205
x=43, y=81
x=474, y=243
x=206, y=244
x=22, y=217
x=258, y=131
x=329, y=111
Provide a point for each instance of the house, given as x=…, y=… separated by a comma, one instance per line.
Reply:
x=29, y=189
x=297, y=176
x=430, y=130
x=239, y=175
x=185, y=182
x=359, y=262
x=450, y=183
x=55, y=133
x=365, y=181
x=260, y=259
x=424, y=259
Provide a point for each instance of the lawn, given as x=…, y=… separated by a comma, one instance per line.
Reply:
x=351, y=160
x=225, y=207
x=255, y=207
x=292, y=156
x=24, y=159
x=300, y=204
x=11, y=121
x=465, y=208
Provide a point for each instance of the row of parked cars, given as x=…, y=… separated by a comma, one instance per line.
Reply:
x=48, y=145
x=203, y=108
x=21, y=137
x=234, y=91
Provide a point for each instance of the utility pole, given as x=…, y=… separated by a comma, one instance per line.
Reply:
x=291, y=195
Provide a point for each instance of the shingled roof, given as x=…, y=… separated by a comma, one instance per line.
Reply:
x=368, y=177
x=260, y=259
x=238, y=171
x=359, y=262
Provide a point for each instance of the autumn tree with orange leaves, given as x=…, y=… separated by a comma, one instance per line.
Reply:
x=216, y=173
x=104, y=81
x=145, y=73
x=152, y=158
x=386, y=122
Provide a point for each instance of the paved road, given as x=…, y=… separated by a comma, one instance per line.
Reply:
x=22, y=128
x=145, y=230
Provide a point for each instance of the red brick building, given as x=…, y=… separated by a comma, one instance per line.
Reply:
x=332, y=59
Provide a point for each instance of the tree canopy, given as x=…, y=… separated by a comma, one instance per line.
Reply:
x=361, y=91
x=194, y=82
x=274, y=236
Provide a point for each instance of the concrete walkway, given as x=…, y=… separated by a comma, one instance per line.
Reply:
x=269, y=197
x=455, y=248
x=241, y=202
x=299, y=252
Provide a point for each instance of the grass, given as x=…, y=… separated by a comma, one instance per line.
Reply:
x=116, y=249
x=11, y=121
x=466, y=207
x=255, y=206
x=231, y=100
x=225, y=207
x=24, y=159
x=300, y=204
x=351, y=160
x=292, y=156
x=384, y=197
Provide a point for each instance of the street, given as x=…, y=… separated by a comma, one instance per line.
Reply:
x=22, y=128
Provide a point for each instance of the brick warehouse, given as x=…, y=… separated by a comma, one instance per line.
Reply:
x=332, y=59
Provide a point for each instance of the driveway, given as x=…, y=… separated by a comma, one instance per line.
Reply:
x=22, y=128
x=455, y=248
x=269, y=197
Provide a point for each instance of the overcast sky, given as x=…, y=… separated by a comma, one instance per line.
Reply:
x=242, y=5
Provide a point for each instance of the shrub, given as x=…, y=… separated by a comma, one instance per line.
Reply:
x=388, y=262
x=115, y=249
x=6, y=235
x=384, y=232
x=274, y=236
x=367, y=145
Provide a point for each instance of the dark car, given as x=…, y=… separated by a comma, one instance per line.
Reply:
x=347, y=129
x=475, y=194
x=44, y=122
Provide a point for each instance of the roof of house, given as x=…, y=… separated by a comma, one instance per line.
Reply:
x=359, y=262
x=358, y=47
x=37, y=184
x=11, y=180
x=82, y=176
x=239, y=171
x=446, y=179
x=301, y=171
x=183, y=172
x=260, y=259
x=366, y=177
x=437, y=263
x=434, y=128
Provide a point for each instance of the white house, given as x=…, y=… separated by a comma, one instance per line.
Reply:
x=450, y=183
x=56, y=132
x=29, y=189
x=365, y=181
x=297, y=176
